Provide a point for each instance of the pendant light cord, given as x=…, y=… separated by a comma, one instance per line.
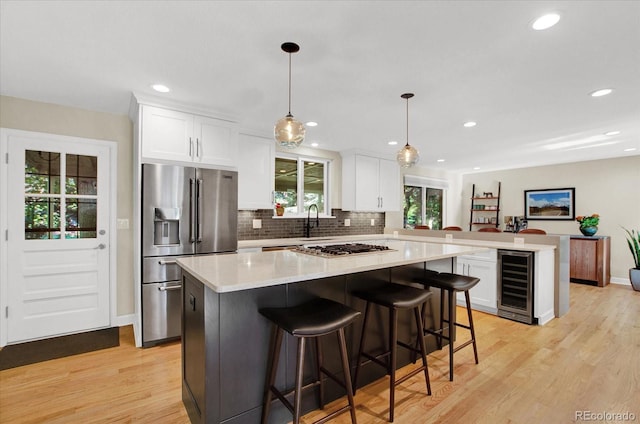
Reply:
x=289, y=83
x=407, y=123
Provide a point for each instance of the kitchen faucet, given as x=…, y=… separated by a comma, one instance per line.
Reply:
x=308, y=225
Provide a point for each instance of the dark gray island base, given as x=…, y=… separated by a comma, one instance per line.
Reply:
x=226, y=341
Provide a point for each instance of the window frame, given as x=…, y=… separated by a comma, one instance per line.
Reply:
x=301, y=213
x=426, y=183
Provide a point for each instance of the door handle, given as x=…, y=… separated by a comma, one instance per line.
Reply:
x=192, y=212
x=162, y=289
x=190, y=147
x=197, y=147
x=101, y=246
x=200, y=211
x=166, y=262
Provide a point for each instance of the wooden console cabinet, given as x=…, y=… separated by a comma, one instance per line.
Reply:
x=590, y=260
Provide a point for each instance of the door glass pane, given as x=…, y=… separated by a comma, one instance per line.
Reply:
x=80, y=218
x=41, y=218
x=412, y=206
x=82, y=175
x=433, y=210
x=287, y=184
x=41, y=172
x=313, y=185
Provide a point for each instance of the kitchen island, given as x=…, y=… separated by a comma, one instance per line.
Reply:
x=225, y=341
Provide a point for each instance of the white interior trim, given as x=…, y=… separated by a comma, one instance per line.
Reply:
x=415, y=180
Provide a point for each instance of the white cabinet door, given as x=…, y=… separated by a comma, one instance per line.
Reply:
x=256, y=172
x=484, y=296
x=389, y=185
x=370, y=184
x=167, y=134
x=367, y=185
x=216, y=142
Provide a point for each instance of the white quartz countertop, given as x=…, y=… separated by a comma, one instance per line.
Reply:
x=246, y=244
x=243, y=271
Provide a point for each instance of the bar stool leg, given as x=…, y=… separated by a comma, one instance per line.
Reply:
x=441, y=321
x=423, y=349
x=360, y=349
x=319, y=362
x=451, y=330
x=275, y=351
x=393, y=341
x=471, y=328
x=299, y=376
x=347, y=377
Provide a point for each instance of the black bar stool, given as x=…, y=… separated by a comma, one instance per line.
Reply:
x=452, y=283
x=394, y=297
x=312, y=319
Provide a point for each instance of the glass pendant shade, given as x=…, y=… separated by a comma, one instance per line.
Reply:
x=408, y=156
x=289, y=132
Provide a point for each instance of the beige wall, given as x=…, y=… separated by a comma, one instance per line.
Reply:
x=609, y=187
x=55, y=119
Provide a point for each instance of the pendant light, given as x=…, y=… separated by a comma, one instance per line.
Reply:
x=408, y=155
x=289, y=132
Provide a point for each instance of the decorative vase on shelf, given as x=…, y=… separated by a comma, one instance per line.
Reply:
x=280, y=211
x=589, y=230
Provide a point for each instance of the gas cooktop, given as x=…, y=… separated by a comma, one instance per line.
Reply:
x=337, y=250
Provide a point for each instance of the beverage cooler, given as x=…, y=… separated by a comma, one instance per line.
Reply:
x=515, y=285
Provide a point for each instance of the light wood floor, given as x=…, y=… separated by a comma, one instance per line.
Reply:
x=588, y=360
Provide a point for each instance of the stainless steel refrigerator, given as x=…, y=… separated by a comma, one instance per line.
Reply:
x=185, y=212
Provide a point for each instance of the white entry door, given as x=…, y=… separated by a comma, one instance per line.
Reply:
x=58, y=220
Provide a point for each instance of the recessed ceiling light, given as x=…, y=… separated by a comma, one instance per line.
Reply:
x=469, y=124
x=311, y=124
x=601, y=92
x=314, y=144
x=440, y=160
x=630, y=149
x=160, y=88
x=392, y=143
x=612, y=133
x=546, y=21
x=475, y=168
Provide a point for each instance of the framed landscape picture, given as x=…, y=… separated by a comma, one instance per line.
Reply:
x=550, y=204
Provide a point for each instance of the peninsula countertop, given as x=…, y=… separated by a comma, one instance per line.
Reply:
x=243, y=271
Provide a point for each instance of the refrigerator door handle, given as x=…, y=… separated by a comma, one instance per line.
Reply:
x=192, y=212
x=200, y=212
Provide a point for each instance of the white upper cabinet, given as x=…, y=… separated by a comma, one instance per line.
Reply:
x=370, y=184
x=175, y=136
x=256, y=172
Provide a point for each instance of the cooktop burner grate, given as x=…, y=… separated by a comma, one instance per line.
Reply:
x=335, y=250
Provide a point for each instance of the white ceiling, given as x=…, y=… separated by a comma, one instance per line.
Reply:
x=464, y=60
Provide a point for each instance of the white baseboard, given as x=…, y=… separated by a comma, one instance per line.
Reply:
x=123, y=320
x=618, y=280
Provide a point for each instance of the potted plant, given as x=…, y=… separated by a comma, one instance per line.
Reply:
x=588, y=224
x=633, y=239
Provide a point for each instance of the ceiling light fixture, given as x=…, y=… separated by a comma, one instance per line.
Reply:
x=440, y=160
x=311, y=124
x=314, y=144
x=289, y=132
x=160, y=88
x=630, y=149
x=408, y=155
x=469, y=124
x=610, y=133
x=601, y=92
x=392, y=143
x=546, y=21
